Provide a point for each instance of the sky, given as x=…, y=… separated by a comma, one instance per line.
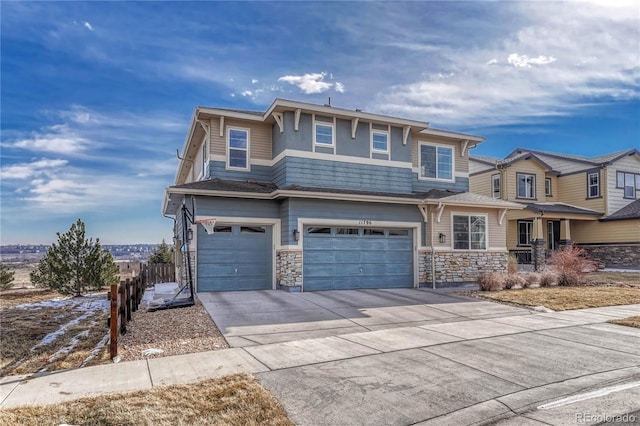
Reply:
x=96, y=97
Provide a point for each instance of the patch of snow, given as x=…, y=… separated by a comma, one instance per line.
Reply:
x=542, y=309
x=152, y=351
x=99, y=347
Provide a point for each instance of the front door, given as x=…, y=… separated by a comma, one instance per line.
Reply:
x=553, y=234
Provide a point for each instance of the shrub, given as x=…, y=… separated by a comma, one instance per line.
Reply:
x=549, y=278
x=6, y=277
x=532, y=280
x=491, y=281
x=515, y=281
x=571, y=263
x=512, y=264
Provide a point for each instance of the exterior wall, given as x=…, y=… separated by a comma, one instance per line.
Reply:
x=259, y=139
x=341, y=175
x=510, y=184
x=290, y=139
x=595, y=232
x=289, y=269
x=616, y=199
x=615, y=256
x=496, y=232
x=237, y=207
x=481, y=183
x=572, y=189
x=218, y=169
x=459, y=267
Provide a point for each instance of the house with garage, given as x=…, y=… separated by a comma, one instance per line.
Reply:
x=592, y=202
x=308, y=197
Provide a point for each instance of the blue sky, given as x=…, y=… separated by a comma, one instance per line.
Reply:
x=96, y=97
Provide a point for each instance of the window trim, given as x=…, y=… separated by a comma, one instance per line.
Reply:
x=533, y=186
x=624, y=184
x=331, y=125
x=380, y=132
x=530, y=227
x=229, y=148
x=493, y=192
x=437, y=146
x=589, y=185
x=550, y=182
x=468, y=216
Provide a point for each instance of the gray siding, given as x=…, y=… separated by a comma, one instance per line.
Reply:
x=358, y=147
x=214, y=206
x=339, y=175
x=461, y=184
x=400, y=152
x=217, y=169
x=302, y=140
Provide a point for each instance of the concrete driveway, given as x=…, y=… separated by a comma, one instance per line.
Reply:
x=422, y=357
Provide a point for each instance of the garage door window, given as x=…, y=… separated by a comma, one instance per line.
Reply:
x=373, y=231
x=318, y=230
x=222, y=228
x=398, y=232
x=253, y=230
x=347, y=231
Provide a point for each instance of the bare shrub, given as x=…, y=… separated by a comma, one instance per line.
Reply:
x=532, y=279
x=491, y=281
x=549, y=278
x=515, y=281
x=512, y=265
x=571, y=263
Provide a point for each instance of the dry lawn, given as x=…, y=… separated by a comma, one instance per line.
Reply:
x=565, y=298
x=231, y=400
x=41, y=334
x=614, y=278
x=629, y=322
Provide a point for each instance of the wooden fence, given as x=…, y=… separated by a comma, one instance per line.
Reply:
x=126, y=297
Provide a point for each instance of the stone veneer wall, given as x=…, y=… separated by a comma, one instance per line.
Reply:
x=614, y=256
x=460, y=267
x=289, y=269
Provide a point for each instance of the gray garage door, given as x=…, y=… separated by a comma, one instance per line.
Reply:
x=349, y=258
x=235, y=257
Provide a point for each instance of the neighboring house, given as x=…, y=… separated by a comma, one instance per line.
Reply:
x=313, y=197
x=590, y=202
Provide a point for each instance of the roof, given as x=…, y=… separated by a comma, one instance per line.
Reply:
x=630, y=211
x=560, y=208
x=230, y=186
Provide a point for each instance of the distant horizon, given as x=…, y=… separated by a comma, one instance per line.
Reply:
x=98, y=96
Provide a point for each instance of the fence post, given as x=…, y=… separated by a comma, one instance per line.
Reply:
x=121, y=309
x=127, y=301
x=113, y=322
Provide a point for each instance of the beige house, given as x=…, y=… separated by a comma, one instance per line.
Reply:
x=591, y=202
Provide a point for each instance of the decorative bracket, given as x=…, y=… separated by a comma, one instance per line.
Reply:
x=405, y=134
x=296, y=123
x=278, y=117
x=465, y=145
x=439, y=211
x=221, y=126
x=205, y=125
x=503, y=213
x=354, y=126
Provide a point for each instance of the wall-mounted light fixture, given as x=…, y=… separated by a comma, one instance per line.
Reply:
x=442, y=238
x=296, y=235
x=189, y=235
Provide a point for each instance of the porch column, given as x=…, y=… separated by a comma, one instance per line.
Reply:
x=565, y=233
x=538, y=244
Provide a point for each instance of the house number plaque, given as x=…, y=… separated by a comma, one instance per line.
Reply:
x=364, y=222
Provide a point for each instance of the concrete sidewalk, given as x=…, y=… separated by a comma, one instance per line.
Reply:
x=459, y=372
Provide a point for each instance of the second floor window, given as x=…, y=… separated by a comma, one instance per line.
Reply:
x=630, y=182
x=593, y=183
x=380, y=141
x=324, y=134
x=436, y=162
x=238, y=149
x=547, y=187
x=526, y=186
x=495, y=186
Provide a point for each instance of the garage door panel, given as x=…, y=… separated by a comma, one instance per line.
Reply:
x=362, y=260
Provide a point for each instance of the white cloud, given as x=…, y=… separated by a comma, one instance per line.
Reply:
x=22, y=171
x=254, y=81
x=523, y=61
x=59, y=138
x=492, y=61
x=339, y=87
x=246, y=93
x=88, y=26
x=309, y=83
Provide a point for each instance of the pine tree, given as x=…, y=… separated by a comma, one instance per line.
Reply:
x=6, y=277
x=75, y=265
x=161, y=254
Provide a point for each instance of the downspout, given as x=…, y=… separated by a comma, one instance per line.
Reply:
x=425, y=217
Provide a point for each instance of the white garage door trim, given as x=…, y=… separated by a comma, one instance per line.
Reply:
x=365, y=223
x=231, y=220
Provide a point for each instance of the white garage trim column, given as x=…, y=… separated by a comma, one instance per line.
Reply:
x=416, y=228
x=231, y=220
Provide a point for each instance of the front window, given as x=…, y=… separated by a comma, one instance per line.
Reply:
x=495, y=186
x=525, y=232
x=526, y=186
x=593, y=181
x=469, y=232
x=436, y=162
x=324, y=134
x=238, y=149
x=630, y=182
x=380, y=141
x=547, y=187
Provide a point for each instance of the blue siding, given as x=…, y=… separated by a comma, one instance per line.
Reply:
x=237, y=207
x=358, y=147
x=217, y=169
x=339, y=175
x=461, y=184
x=302, y=140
